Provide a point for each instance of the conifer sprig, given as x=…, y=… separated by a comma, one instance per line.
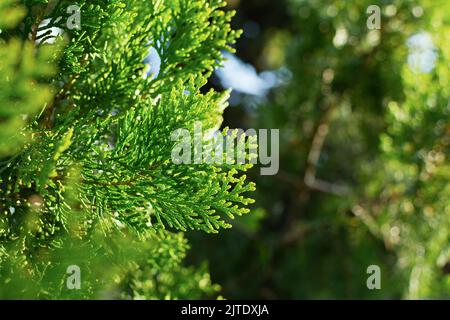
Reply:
x=86, y=169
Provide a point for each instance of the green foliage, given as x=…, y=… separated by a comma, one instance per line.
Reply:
x=24, y=91
x=86, y=174
x=415, y=218
x=364, y=156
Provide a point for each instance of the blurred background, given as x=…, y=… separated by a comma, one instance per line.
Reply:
x=364, y=143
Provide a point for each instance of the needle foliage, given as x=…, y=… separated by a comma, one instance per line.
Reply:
x=86, y=172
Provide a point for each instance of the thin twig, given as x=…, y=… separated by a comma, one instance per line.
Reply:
x=317, y=144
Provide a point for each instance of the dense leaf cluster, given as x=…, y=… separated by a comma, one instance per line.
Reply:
x=86, y=172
